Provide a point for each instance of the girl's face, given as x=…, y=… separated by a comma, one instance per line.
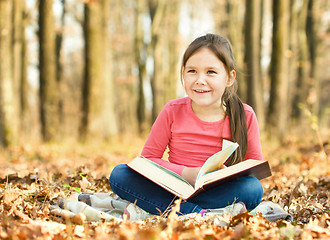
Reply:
x=205, y=80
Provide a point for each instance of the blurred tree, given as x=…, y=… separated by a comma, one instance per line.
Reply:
x=98, y=117
x=252, y=58
x=312, y=25
x=164, y=50
x=49, y=93
x=221, y=11
x=125, y=70
x=277, y=115
x=91, y=122
x=170, y=65
x=18, y=60
x=109, y=124
x=235, y=28
x=156, y=11
x=141, y=59
x=25, y=120
x=8, y=96
x=293, y=55
x=300, y=89
x=59, y=62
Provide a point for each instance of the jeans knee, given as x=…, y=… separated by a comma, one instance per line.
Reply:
x=259, y=191
x=116, y=175
x=255, y=189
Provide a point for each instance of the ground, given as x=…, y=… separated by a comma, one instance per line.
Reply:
x=32, y=177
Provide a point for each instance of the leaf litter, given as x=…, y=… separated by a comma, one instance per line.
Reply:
x=31, y=180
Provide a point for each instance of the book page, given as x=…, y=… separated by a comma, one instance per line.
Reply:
x=217, y=159
x=247, y=167
x=226, y=143
x=164, y=177
x=169, y=171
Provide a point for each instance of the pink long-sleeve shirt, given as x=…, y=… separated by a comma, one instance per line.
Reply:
x=190, y=140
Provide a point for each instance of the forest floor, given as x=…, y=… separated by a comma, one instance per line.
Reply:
x=34, y=177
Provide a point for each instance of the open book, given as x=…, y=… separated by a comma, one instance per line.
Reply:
x=209, y=176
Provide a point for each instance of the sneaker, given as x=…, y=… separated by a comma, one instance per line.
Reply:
x=233, y=210
x=103, y=201
x=135, y=213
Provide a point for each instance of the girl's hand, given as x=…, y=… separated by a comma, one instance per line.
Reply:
x=222, y=166
x=190, y=174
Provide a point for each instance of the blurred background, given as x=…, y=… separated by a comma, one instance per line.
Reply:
x=95, y=70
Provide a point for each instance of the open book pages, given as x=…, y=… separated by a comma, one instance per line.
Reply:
x=214, y=162
x=175, y=184
x=257, y=168
x=162, y=176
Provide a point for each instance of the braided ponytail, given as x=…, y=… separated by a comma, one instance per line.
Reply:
x=238, y=129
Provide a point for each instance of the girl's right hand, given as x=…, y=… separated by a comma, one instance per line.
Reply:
x=222, y=166
x=190, y=174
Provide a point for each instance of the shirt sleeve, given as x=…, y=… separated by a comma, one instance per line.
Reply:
x=159, y=138
x=254, y=150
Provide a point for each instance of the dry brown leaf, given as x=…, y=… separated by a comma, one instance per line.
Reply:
x=36, y=229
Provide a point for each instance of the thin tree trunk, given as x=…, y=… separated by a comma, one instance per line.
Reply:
x=8, y=116
x=47, y=65
x=109, y=123
x=140, y=58
x=313, y=44
x=59, y=63
x=303, y=64
x=235, y=28
x=252, y=59
x=156, y=9
x=172, y=76
x=26, y=122
x=277, y=112
x=91, y=121
x=17, y=48
x=293, y=59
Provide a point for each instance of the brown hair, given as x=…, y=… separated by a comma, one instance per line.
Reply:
x=221, y=47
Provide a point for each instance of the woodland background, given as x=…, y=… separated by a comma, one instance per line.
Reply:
x=98, y=69
x=81, y=82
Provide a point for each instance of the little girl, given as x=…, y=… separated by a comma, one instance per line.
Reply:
x=193, y=129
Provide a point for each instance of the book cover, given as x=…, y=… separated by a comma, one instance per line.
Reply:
x=209, y=176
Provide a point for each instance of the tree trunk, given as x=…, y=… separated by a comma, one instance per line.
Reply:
x=313, y=44
x=59, y=63
x=277, y=112
x=171, y=66
x=17, y=48
x=47, y=65
x=303, y=65
x=93, y=86
x=156, y=9
x=293, y=59
x=124, y=65
x=252, y=59
x=98, y=117
x=140, y=58
x=109, y=124
x=235, y=29
x=8, y=113
x=24, y=90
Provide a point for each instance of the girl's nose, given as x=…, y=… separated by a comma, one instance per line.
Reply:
x=200, y=80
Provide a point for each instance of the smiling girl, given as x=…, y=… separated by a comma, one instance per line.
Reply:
x=193, y=128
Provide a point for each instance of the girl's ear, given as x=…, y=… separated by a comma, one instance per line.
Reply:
x=231, y=78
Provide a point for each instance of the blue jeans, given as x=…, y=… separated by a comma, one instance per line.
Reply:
x=132, y=186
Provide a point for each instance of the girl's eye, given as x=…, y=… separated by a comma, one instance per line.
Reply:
x=191, y=71
x=211, y=72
